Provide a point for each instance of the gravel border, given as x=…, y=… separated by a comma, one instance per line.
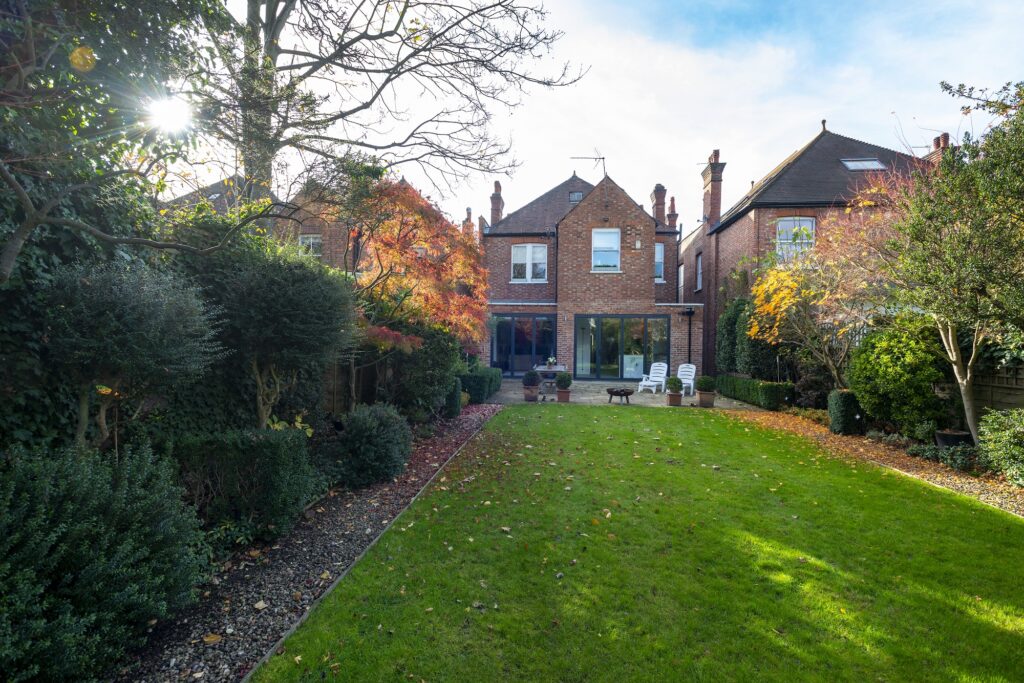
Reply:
x=988, y=488
x=262, y=594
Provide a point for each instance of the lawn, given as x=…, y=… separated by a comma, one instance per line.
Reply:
x=575, y=543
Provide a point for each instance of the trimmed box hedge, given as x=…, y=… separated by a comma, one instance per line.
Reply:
x=844, y=412
x=481, y=383
x=768, y=395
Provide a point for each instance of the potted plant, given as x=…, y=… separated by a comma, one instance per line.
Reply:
x=706, y=391
x=552, y=361
x=674, y=391
x=563, y=381
x=949, y=438
x=531, y=385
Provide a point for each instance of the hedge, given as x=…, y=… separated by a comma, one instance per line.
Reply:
x=373, y=446
x=93, y=547
x=844, y=412
x=481, y=383
x=769, y=395
x=453, y=401
x=256, y=479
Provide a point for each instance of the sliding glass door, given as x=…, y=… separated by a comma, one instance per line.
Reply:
x=619, y=346
x=519, y=342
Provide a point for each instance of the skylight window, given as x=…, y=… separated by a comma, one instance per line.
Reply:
x=575, y=197
x=863, y=164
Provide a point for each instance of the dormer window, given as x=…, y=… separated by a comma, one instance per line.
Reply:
x=575, y=198
x=866, y=164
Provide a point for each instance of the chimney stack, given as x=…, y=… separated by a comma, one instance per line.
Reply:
x=672, y=215
x=497, y=204
x=712, y=175
x=467, y=224
x=658, y=203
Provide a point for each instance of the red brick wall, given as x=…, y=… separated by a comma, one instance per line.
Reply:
x=737, y=248
x=498, y=261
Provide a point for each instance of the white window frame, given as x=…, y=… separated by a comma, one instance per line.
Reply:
x=798, y=242
x=531, y=250
x=594, y=268
x=313, y=242
x=659, y=246
x=575, y=197
x=698, y=283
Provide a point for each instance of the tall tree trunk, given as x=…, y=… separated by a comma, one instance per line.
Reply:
x=83, y=413
x=256, y=91
x=963, y=368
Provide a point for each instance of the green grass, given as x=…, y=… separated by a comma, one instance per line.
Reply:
x=782, y=564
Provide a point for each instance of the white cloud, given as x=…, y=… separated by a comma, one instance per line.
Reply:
x=656, y=106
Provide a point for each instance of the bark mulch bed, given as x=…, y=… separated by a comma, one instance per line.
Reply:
x=988, y=488
x=261, y=593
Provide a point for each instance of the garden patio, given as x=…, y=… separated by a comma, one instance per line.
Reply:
x=678, y=545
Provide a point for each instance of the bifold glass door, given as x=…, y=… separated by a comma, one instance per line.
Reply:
x=521, y=341
x=619, y=346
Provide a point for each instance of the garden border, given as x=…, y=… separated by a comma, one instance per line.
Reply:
x=330, y=589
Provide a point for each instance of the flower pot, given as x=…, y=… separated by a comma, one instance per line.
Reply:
x=675, y=398
x=530, y=393
x=563, y=395
x=947, y=438
x=706, y=399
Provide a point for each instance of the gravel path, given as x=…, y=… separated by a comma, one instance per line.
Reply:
x=259, y=594
x=988, y=488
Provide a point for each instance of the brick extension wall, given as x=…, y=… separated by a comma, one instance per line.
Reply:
x=737, y=248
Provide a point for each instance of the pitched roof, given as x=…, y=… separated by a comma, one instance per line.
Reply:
x=543, y=213
x=815, y=175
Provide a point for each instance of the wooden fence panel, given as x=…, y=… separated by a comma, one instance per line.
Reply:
x=1001, y=389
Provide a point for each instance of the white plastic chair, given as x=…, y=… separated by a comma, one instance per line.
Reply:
x=687, y=373
x=659, y=373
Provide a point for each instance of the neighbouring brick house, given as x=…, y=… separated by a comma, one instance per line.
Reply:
x=584, y=274
x=779, y=215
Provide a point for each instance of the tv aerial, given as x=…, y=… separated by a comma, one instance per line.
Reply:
x=596, y=158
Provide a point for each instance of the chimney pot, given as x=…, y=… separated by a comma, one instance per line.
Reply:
x=497, y=204
x=944, y=140
x=672, y=215
x=936, y=142
x=658, y=202
x=712, y=175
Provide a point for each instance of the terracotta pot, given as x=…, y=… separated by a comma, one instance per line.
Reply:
x=706, y=399
x=948, y=438
x=530, y=393
x=675, y=398
x=563, y=395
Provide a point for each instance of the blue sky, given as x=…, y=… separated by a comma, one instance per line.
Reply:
x=670, y=81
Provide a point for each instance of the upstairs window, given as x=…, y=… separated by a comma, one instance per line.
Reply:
x=698, y=282
x=605, y=250
x=420, y=251
x=575, y=197
x=659, y=261
x=312, y=243
x=794, y=236
x=529, y=263
x=866, y=164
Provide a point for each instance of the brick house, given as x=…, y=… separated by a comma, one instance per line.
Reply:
x=780, y=215
x=584, y=274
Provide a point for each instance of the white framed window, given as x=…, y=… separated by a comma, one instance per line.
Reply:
x=866, y=164
x=575, y=197
x=529, y=263
x=698, y=282
x=659, y=261
x=793, y=236
x=605, y=251
x=312, y=243
x=420, y=251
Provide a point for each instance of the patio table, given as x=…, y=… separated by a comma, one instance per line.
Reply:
x=547, y=377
